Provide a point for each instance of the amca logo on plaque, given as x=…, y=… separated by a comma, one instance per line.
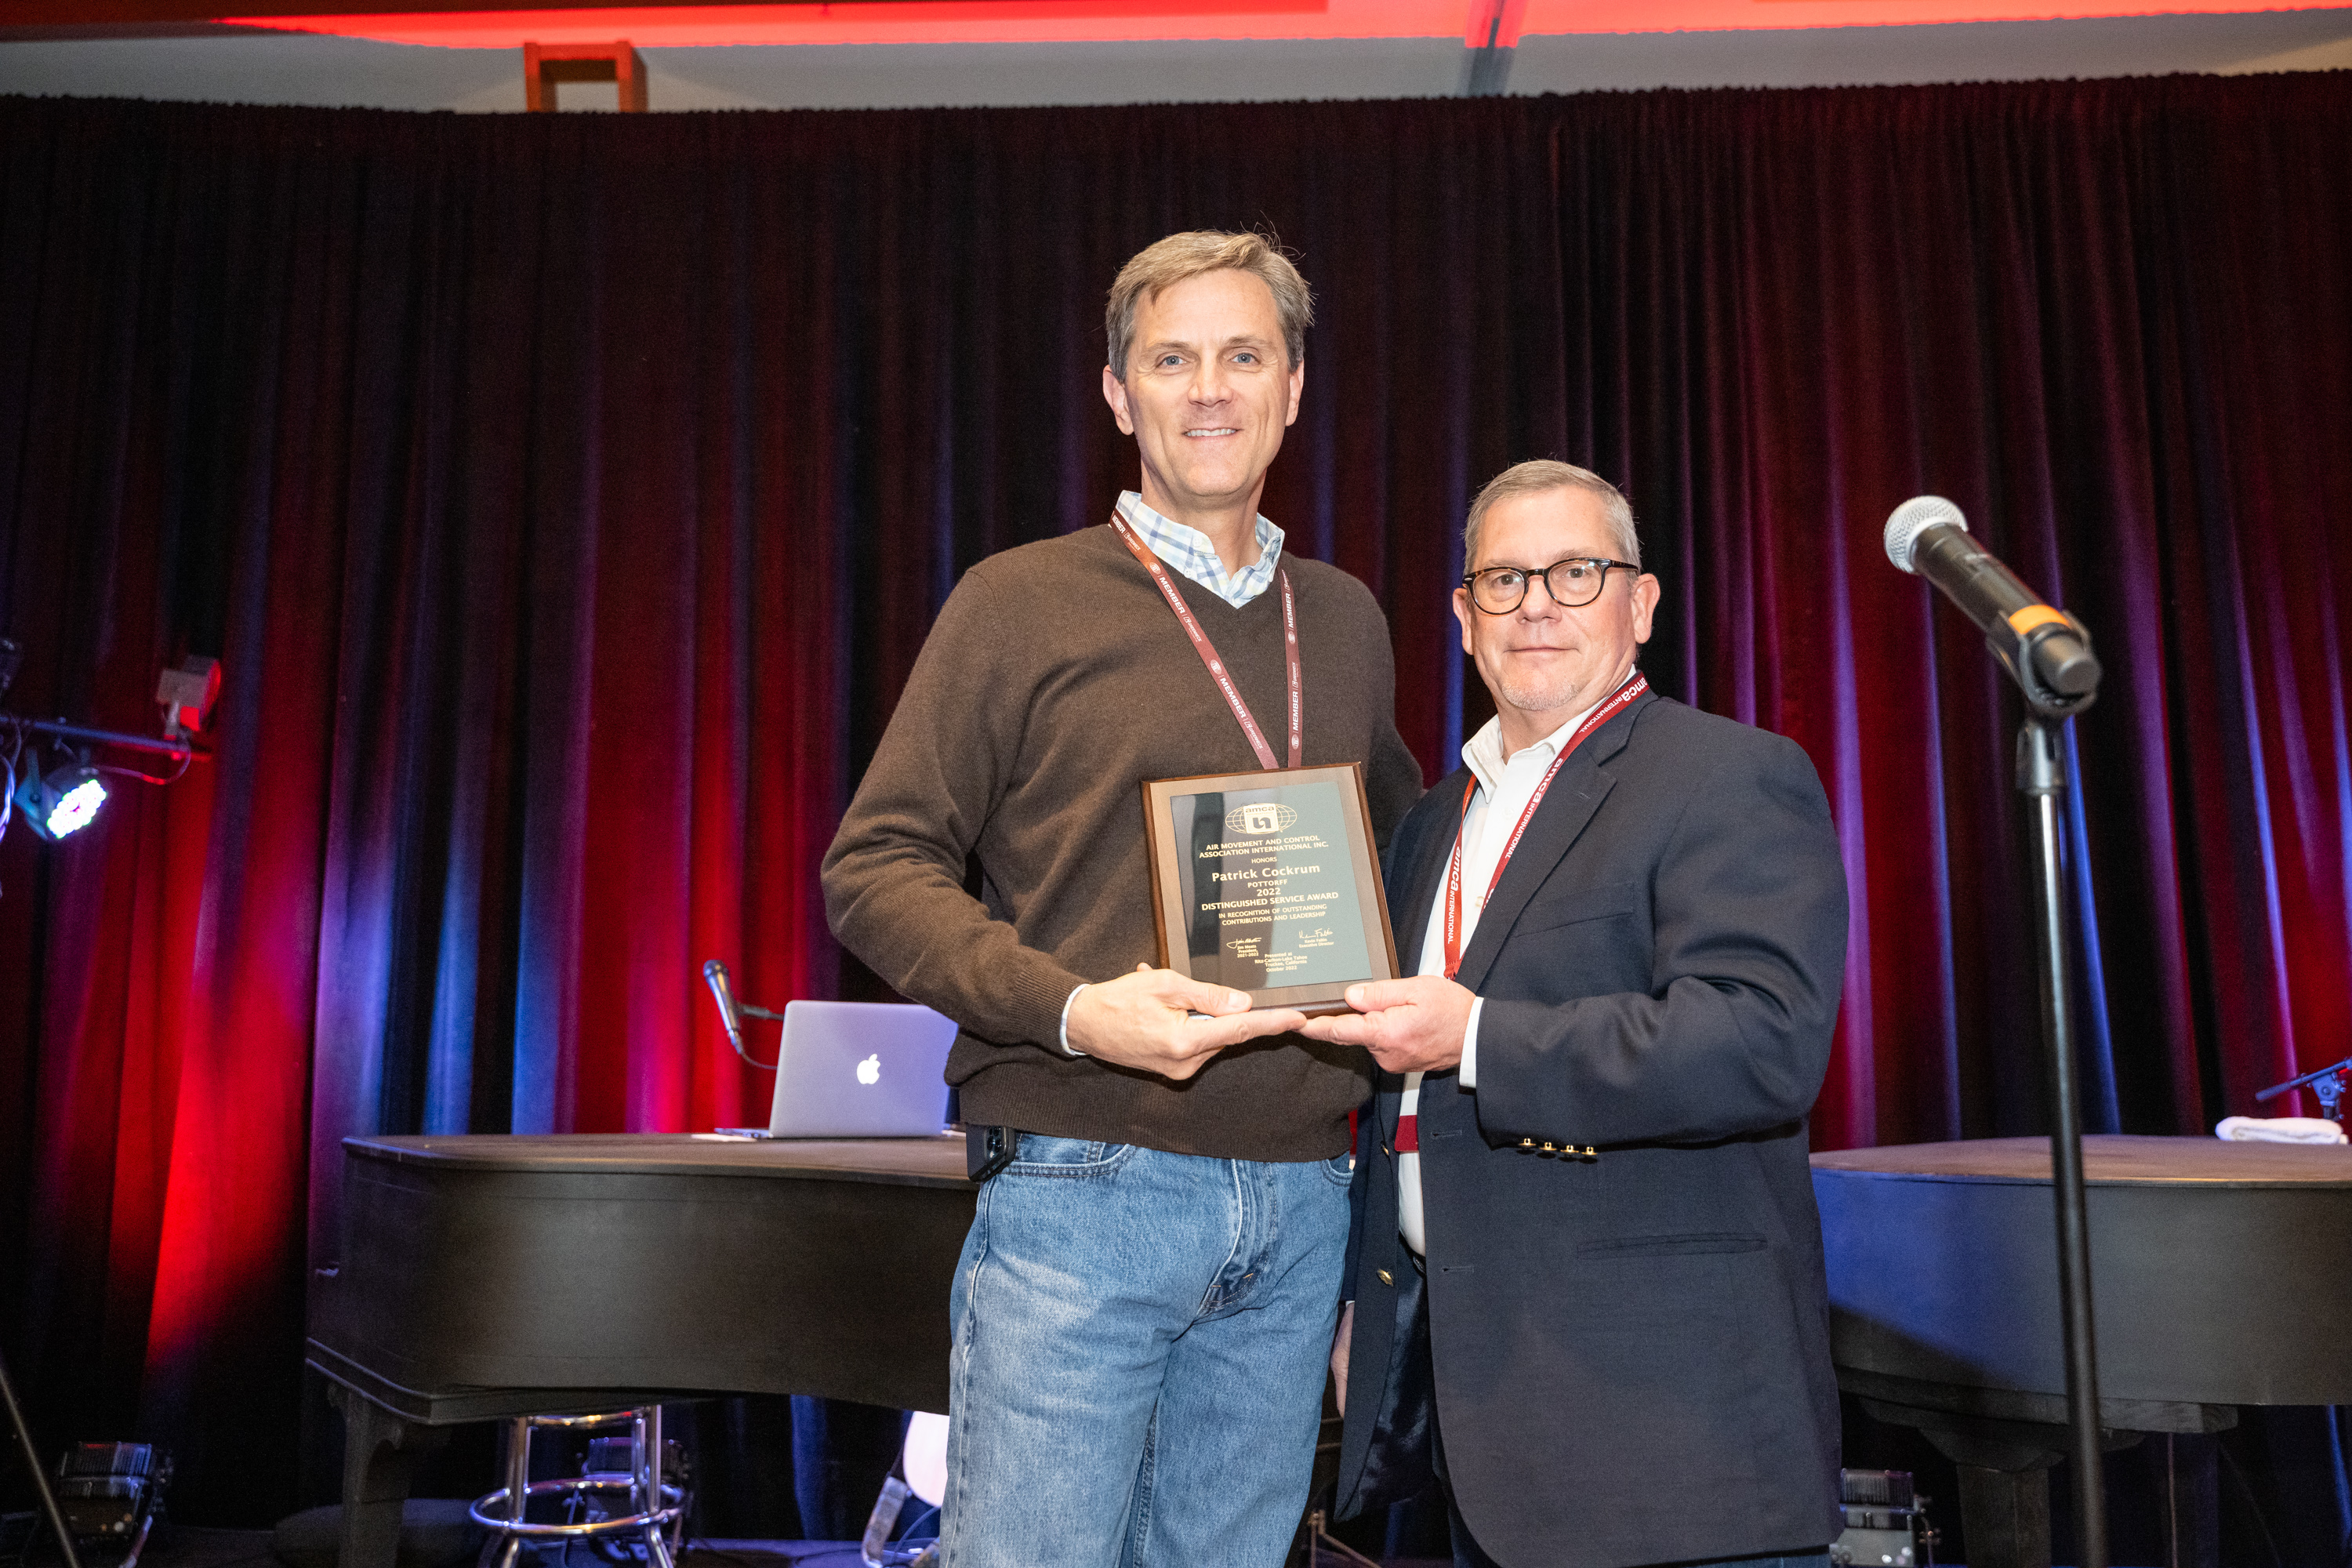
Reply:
x=1266, y=816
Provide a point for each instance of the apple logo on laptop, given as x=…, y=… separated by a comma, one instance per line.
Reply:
x=871, y=1070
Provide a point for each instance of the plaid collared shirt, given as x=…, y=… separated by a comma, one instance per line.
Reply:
x=1188, y=551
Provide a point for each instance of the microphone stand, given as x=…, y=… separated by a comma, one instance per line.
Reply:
x=2042, y=779
x=2048, y=653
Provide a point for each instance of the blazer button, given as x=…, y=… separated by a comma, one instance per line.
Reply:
x=1526, y=1142
x=1385, y=1277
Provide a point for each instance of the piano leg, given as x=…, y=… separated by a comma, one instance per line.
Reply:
x=2004, y=1468
x=2005, y=1496
x=380, y=1453
x=2005, y=1512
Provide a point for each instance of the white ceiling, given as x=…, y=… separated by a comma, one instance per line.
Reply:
x=240, y=67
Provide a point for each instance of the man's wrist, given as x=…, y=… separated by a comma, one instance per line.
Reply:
x=1468, y=1074
x=1068, y=1049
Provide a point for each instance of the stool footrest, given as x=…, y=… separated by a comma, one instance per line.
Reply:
x=505, y=1525
x=502, y=1511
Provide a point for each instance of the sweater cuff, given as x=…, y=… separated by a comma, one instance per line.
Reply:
x=1039, y=990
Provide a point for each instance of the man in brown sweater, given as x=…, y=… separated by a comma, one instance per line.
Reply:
x=1144, y=1306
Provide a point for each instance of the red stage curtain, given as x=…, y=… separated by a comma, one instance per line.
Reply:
x=566, y=498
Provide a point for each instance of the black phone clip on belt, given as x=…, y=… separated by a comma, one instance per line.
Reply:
x=988, y=1149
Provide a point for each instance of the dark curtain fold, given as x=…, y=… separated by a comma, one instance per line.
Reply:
x=567, y=497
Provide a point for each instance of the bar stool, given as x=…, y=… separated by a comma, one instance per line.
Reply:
x=652, y=1504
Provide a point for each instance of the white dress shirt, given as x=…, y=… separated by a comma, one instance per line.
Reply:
x=1188, y=551
x=1503, y=791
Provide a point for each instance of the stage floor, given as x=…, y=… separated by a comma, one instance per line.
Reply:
x=188, y=1546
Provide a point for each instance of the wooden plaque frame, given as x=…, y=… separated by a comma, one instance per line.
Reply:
x=1369, y=906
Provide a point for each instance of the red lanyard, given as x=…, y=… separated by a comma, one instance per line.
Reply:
x=1609, y=709
x=1201, y=645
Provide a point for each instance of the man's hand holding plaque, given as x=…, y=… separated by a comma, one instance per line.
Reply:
x=1413, y=1024
x=1160, y=1022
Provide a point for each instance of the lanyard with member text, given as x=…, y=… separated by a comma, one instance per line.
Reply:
x=1208, y=653
x=1614, y=704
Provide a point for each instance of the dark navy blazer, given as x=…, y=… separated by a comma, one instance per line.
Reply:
x=1631, y=1349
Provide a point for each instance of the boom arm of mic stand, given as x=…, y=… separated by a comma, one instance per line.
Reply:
x=2327, y=1083
x=40, y=1475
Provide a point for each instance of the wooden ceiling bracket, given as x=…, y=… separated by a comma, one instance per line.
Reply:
x=544, y=65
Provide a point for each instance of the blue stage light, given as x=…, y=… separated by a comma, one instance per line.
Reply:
x=63, y=801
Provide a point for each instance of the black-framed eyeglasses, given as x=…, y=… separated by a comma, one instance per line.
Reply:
x=1572, y=582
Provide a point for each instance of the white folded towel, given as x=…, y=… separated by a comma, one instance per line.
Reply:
x=2278, y=1130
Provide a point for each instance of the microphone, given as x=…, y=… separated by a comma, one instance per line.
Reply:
x=715, y=973
x=2045, y=650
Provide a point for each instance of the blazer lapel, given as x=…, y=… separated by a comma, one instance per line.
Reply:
x=1558, y=822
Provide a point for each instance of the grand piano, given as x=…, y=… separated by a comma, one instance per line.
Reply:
x=488, y=1276
x=483, y=1276
x=2219, y=1278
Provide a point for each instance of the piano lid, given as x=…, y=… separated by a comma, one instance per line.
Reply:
x=919, y=1162
x=2107, y=1162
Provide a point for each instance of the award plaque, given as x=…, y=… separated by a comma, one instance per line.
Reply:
x=1269, y=882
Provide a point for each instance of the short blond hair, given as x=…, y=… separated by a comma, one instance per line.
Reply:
x=1538, y=477
x=1164, y=263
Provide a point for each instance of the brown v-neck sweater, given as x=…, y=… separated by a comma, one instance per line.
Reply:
x=1054, y=683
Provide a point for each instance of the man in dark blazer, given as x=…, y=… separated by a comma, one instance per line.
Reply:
x=1586, y=1271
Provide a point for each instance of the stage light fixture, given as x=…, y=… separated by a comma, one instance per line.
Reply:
x=63, y=801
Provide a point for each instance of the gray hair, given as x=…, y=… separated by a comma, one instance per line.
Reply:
x=1167, y=262
x=1538, y=477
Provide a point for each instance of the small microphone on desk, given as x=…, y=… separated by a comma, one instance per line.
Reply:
x=715, y=973
x=2046, y=650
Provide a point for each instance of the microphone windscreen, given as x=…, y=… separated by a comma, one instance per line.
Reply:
x=1913, y=517
x=714, y=974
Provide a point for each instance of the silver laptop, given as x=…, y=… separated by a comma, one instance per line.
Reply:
x=861, y=1069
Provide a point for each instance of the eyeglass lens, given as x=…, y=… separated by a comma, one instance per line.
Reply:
x=1571, y=583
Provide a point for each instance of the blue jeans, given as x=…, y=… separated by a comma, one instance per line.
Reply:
x=1140, y=1340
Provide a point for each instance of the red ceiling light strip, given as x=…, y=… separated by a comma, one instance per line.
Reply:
x=1050, y=21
